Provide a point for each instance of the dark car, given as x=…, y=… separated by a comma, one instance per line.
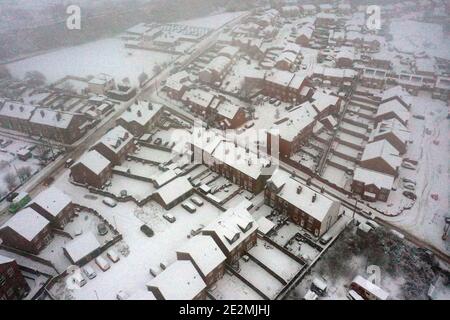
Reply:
x=102, y=229
x=11, y=196
x=409, y=195
x=147, y=230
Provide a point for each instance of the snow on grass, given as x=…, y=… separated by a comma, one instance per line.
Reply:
x=103, y=56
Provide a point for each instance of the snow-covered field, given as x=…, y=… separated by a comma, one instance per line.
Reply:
x=413, y=37
x=426, y=217
x=103, y=56
x=214, y=21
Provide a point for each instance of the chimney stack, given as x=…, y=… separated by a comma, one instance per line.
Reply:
x=314, y=197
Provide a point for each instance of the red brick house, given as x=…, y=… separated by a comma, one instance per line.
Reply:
x=27, y=230
x=372, y=185
x=229, y=115
x=234, y=231
x=285, y=85
x=115, y=145
x=206, y=256
x=313, y=211
x=381, y=156
x=16, y=116
x=179, y=281
x=177, y=84
x=392, y=109
x=394, y=132
x=216, y=70
x=55, y=205
x=293, y=130
x=92, y=169
x=12, y=283
x=56, y=125
x=325, y=104
x=140, y=117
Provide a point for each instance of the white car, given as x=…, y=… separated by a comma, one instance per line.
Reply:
x=102, y=263
x=122, y=295
x=197, y=201
x=408, y=165
x=169, y=217
x=89, y=272
x=109, y=202
x=112, y=255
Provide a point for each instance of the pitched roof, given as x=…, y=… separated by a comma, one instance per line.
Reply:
x=384, y=150
x=174, y=189
x=180, y=281
x=116, y=139
x=94, y=161
x=204, y=252
x=378, y=179
x=27, y=223
x=52, y=200
x=82, y=246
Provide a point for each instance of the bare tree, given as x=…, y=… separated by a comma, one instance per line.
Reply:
x=10, y=180
x=24, y=173
x=35, y=78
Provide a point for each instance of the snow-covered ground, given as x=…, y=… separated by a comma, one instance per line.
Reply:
x=103, y=56
x=214, y=21
x=426, y=218
x=414, y=37
x=132, y=272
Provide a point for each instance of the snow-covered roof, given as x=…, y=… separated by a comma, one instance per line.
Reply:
x=323, y=100
x=199, y=97
x=27, y=223
x=180, y=281
x=94, y=161
x=165, y=177
x=280, y=77
x=398, y=92
x=205, y=253
x=395, y=107
x=236, y=157
x=309, y=201
x=52, y=200
x=392, y=126
x=142, y=295
x=142, y=113
x=174, y=189
x=334, y=72
x=140, y=28
x=82, y=246
x=384, y=150
x=371, y=287
x=227, y=109
x=176, y=80
x=265, y=225
x=232, y=227
x=378, y=179
x=101, y=79
x=218, y=64
x=17, y=110
x=4, y=260
x=116, y=139
x=52, y=118
x=229, y=51
x=297, y=120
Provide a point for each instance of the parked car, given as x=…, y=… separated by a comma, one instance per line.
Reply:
x=113, y=255
x=147, y=230
x=409, y=186
x=122, y=295
x=169, y=217
x=272, y=101
x=89, y=272
x=154, y=272
x=277, y=104
x=408, y=180
x=102, y=263
x=189, y=207
x=78, y=279
x=102, y=229
x=325, y=239
x=409, y=195
x=197, y=201
x=408, y=165
x=158, y=141
x=11, y=196
x=109, y=202
x=69, y=163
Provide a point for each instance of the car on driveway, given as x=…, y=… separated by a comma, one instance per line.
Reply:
x=169, y=217
x=410, y=195
x=147, y=230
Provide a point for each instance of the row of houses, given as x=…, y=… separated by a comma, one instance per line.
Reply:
x=388, y=141
x=31, y=229
x=202, y=261
x=57, y=125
